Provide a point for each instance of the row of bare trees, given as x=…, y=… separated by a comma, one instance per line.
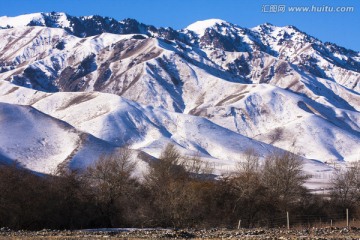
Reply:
x=175, y=192
x=265, y=192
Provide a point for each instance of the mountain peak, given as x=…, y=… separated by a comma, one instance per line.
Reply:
x=21, y=20
x=52, y=19
x=199, y=27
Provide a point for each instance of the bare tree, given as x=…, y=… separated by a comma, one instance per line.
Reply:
x=346, y=185
x=248, y=188
x=197, y=167
x=284, y=178
x=176, y=193
x=112, y=182
x=250, y=162
x=166, y=180
x=168, y=167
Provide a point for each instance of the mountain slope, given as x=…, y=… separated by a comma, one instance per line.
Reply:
x=213, y=87
x=41, y=143
x=121, y=122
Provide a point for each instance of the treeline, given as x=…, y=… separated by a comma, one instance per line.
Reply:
x=176, y=192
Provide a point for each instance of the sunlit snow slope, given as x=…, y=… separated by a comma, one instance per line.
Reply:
x=214, y=88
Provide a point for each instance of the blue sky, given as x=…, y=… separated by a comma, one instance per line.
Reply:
x=340, y=28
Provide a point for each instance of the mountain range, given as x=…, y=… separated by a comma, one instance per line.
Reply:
x=72, y=88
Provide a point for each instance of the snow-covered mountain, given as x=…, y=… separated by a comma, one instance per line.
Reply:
x=41, y=143
x=85, y=26
x=213, y=87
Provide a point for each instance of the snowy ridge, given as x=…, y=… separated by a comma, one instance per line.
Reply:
x=20, y=21
x=42, y=143
x=199, y=27
x=121, y=122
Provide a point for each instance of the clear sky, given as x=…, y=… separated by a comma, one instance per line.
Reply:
x=342, y=28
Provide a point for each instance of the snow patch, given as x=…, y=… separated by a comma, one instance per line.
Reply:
x=199, y=27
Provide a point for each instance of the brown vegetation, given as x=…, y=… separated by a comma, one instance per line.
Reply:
x=176, y=192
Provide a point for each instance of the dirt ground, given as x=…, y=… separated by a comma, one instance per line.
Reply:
x=214, y=234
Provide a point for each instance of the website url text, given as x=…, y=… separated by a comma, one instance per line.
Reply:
x=280, y=8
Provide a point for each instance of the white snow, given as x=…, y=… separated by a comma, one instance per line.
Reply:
x=62, y=20
x=37, y=141
x=199, y=27
x=21, y=20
